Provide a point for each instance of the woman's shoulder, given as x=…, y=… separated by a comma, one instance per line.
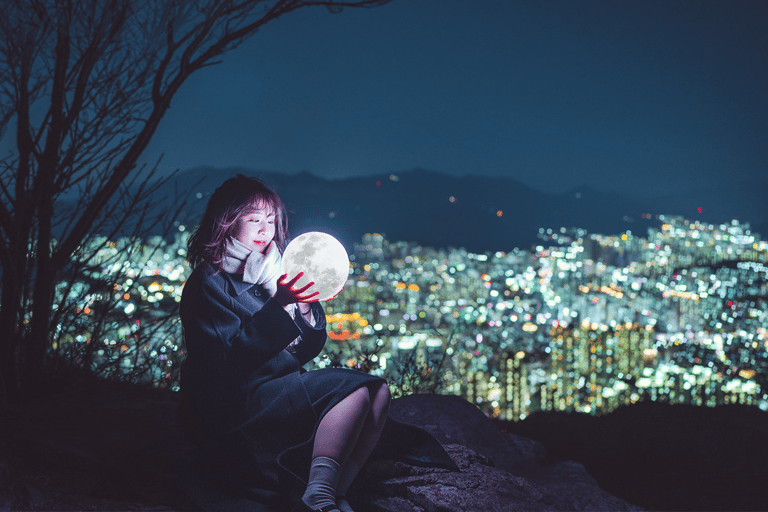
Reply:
x=203, y=272
x=205, y=293
x=205, y=277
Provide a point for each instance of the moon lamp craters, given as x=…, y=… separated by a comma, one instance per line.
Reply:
x=323, y=260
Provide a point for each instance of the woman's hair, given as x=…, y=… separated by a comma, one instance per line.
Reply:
x=235, y=197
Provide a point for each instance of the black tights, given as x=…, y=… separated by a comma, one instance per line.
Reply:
x=351, y=429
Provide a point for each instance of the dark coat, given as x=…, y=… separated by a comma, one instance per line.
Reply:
x=237, y=362
x=241, y=387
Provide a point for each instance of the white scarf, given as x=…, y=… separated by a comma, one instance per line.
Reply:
x=257, y=268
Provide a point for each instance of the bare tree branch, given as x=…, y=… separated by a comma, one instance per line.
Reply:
x=84, y=85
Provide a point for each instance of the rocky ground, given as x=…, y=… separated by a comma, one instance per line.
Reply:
x=499, y=472
x=665, y=457
x=111, y=447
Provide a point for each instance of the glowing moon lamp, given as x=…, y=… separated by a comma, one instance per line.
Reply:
x=323, y=260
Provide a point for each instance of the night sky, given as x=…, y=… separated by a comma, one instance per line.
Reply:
x=644, y=96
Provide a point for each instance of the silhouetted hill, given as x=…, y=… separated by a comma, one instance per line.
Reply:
x=478, y=213
x=665, y=457
x=417, y=206
x=481, y=214
x=744, y=201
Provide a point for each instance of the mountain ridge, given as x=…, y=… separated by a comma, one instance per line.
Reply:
x=478, y=213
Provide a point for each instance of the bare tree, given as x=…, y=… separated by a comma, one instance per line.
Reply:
x=84, y=85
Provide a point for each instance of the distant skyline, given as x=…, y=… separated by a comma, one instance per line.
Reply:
x=634, y=95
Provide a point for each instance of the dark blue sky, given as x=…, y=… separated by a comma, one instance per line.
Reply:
x=641, y=95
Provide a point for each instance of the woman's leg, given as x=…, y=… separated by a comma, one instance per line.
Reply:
x=369, y=436
x=338, y=431
x=336, y=437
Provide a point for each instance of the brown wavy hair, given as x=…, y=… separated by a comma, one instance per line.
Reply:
x=235, y=197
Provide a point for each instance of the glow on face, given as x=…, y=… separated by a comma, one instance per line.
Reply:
x=256, y=228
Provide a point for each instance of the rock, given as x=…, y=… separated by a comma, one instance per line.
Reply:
x=453, y=420
x=498, y=473
x=664, y=456
x=114, y=449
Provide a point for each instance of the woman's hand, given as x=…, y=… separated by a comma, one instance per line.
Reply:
x=286, y=294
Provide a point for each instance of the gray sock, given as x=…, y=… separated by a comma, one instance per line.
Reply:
x=323, y=478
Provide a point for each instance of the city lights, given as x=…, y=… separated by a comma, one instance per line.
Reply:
x=589, y=323
x=613, y=319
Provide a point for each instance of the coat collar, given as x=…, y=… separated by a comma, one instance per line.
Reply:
x=236, y=283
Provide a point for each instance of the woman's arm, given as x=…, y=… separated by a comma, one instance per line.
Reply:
x=210, y=318
x=312, y=336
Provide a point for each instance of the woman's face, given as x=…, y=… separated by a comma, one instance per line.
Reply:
x=256, y=228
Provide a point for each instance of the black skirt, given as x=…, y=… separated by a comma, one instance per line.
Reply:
x=398, y=441
x=329, y=386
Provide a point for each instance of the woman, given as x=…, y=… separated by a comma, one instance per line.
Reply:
x=266, y=426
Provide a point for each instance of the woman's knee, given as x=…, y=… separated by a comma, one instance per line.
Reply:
x=361, y=398
x=382, y=393
x=356, y=406
x=380, y=399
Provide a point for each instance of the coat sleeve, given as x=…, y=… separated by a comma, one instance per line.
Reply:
x=257, y=339
x=312, y=338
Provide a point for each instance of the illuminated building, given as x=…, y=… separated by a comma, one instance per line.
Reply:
x=601, y=321
x=516, y=393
